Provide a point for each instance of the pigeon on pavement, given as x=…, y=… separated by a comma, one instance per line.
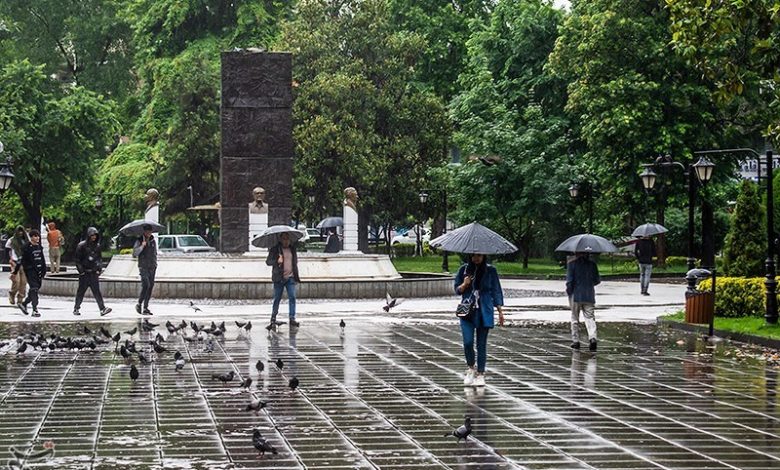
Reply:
x=462, y=432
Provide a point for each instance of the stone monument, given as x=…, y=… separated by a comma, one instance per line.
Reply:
x=257, y=143
x=350, y=220
x=152, y=205
x=258, y=216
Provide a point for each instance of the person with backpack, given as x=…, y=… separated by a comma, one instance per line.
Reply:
x=34, y=265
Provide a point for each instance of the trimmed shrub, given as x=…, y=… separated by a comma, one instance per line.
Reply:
x=744, y=249
x=738, y=296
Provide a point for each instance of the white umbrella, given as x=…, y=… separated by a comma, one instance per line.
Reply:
x=270, y=236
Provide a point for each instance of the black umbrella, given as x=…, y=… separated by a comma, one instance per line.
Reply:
x=331, y=222
x=135, y=228
x=587, y=243
x=648, y=230
x=270, y=236
x=474, y=238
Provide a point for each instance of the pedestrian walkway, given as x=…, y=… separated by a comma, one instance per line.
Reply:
x=384, y=393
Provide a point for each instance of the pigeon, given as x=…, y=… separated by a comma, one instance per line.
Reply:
x=170, y=327
x=293, y=384
x=147, y=327
x=105, y=332
x=461, y=432
x=255, y=405
x=133, y=373
x=261, y=444
x=224, y=378
x=159, y=338
x=22, y=348
x=248, y=326
x=87, y=331
x=158, y=349
x=179, y=363
x=131, y=332
x=116, y=338
x=280, y=364
x=194, y=307
x=246, y=383
x=240, y=324
x=259, y=366
x=342, y=325
x=143, y=358
x=124, y=352
x=391, y=302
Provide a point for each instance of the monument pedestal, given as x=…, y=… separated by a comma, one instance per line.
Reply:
x=257, y=225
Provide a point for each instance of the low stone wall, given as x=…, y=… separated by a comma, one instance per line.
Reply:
x=63, y=285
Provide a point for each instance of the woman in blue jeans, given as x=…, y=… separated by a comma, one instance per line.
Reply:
x=478, y=280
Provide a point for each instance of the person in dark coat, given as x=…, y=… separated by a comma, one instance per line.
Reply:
x=89, y=263
x=34, y=265
x=284, y=259
x=582, y=275
x=478, y=281
x=645, y=252
x=145, y=249
x=15, y=246
x=333, y=244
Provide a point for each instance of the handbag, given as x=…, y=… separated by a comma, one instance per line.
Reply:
x=466, y=309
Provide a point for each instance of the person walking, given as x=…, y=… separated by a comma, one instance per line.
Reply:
x=333, y=244
x=89, y=264
x=56, y=242
x=582, y=275
x=284, y=260
x=644, y=250
x=145, y=249
x=34, y=265
x=478, y=281
x=15, y=246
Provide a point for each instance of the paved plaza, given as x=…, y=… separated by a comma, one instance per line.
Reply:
x=385, y=392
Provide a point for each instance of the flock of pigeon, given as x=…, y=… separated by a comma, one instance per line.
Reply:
x=206, y=335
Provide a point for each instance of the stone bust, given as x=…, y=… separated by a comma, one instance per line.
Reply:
x=152, y=198
x=351, y=197
x=258, y=206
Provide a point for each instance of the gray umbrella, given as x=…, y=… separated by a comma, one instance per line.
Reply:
x=135, y=228
x=648, y=230
x=331, y=222
x=474, y=238
x=270, y=236
x=587, y=243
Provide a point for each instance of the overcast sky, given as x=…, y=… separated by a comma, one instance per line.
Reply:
x=562, y=3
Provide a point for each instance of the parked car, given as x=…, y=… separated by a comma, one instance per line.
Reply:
x=311, y=235
x=183, y=244
x=410, y=238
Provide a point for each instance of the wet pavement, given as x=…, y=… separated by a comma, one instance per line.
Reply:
x=385, y=393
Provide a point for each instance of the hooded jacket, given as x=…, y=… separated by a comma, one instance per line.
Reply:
x=33, y=261
x=88, y=255
x=18, y=243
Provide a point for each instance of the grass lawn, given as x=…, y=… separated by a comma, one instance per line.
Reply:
x=540, y=266
x=745, y=325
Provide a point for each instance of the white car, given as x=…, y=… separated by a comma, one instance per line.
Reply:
x=410, y=238
x=183, y=244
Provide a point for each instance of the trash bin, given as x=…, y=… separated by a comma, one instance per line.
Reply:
x=699, y=305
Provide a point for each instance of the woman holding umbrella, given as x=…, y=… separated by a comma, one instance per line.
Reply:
x=477, y=281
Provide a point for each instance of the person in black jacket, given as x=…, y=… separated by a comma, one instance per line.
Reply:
x=145, y=249
x=89, y=264
x=645, y=252
x=284, y=275
x=333, y=245
x=34, y=266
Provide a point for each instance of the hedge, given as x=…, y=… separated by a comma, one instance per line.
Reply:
x=738, y=296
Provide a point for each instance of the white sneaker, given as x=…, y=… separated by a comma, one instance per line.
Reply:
x=469, y=378
x=479, y=380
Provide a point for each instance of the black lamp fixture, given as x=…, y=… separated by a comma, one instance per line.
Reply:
x=704, y=168
x=311, y=198
x=648, y=178
x=99, y=202
x=6, y=175
x=574, y=190
x=423, y=197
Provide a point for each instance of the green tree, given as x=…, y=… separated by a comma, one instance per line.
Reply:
x=85, y=42
x=360, y=118
x=56, y=135
x=744, y=250
x=631, y=98
x=735, y=44
x=509, y=107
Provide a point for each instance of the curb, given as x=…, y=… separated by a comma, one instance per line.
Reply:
x=730, y=335
x=666, y=277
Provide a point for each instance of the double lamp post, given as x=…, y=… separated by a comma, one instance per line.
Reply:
x=424, y=196
x=6, y=175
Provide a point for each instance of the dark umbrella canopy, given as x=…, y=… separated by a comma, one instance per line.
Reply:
x=474, y=238
x=587, y=243
x=331, y=222
x=648, y=230
x=270, y=236
x=135, y=228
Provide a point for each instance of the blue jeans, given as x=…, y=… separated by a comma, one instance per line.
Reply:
x=278, y=290
x=467, y=328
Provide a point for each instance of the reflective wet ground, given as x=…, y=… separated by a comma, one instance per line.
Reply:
x=385, y=393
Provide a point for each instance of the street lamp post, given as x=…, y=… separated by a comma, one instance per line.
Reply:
x=120, y=204
x=6, y=175
x=701, y=170
x=424, y=194
x=574, y=191
x=770, y=283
